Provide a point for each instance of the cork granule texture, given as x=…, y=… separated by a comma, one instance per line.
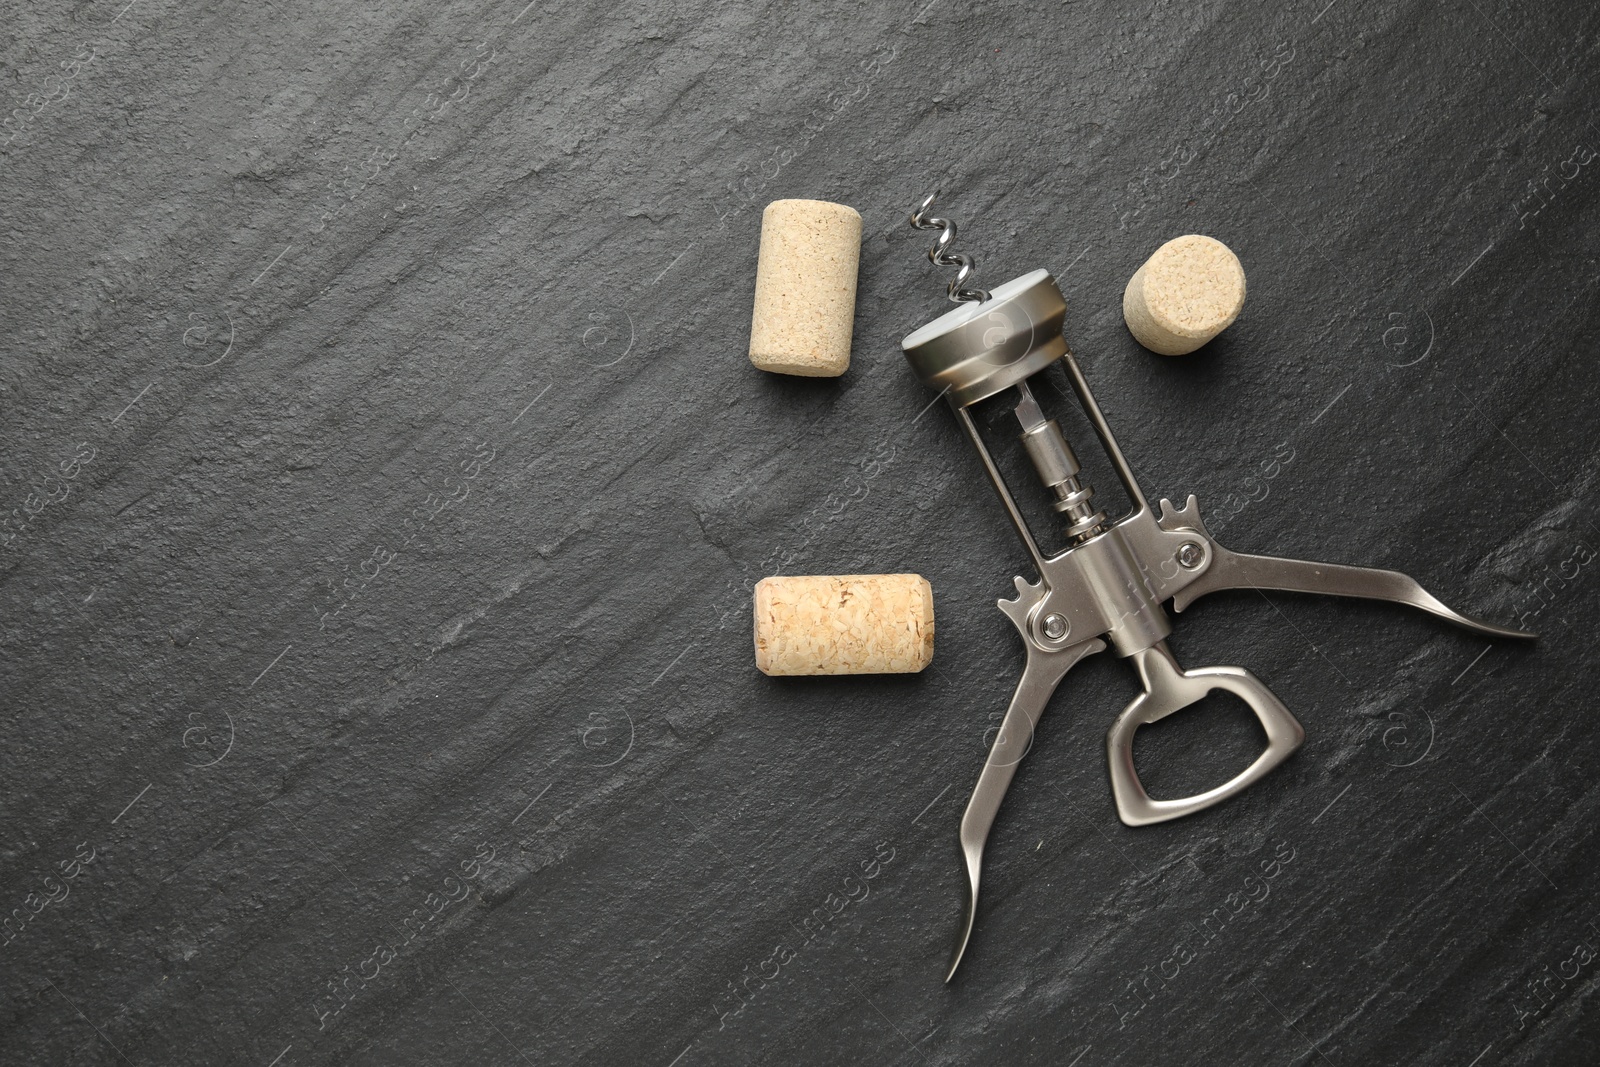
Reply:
x=1189, y=291
x=805, y=301
x=844, y=624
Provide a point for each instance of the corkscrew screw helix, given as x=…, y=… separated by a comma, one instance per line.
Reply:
x=1110, y=584
x=941, y=255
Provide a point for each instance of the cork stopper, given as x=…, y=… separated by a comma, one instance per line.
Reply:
x=844, y=624
x=1189, y=291
x=806, y=288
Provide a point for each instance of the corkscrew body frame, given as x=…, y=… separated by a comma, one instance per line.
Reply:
x=1109, y=585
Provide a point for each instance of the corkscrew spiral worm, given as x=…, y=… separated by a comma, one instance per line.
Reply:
x=941, y=255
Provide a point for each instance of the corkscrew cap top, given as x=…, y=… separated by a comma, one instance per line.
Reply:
x=978, y=349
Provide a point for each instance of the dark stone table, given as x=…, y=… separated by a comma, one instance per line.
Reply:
x=385, y=481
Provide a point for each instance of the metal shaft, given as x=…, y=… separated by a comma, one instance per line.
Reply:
x=1058, y=467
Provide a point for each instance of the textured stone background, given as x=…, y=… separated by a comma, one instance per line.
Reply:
x=384, y=481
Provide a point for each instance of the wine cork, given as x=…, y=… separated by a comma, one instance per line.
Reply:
x=1189, y=291
x=844, y=624
x=806, y=288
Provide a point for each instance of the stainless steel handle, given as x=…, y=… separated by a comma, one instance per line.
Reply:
x=1043, y=673
x=1237, y=570
x=1169, y=688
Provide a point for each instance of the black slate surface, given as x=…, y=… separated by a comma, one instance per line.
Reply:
x=385, y=480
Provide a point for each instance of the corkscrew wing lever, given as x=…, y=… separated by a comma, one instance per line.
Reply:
x=1236, y=570
x=1040, y=677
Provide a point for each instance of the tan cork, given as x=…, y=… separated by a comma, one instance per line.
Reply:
x=1189, y=291
x=844, y=624
x=806, y=288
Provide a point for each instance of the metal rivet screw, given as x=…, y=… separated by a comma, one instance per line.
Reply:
x=1190, y=555
x=1055, y=627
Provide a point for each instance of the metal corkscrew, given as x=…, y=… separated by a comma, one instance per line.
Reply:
x=940, y=254
x=1109, y=585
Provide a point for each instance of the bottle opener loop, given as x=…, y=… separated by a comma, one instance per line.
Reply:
x=1169, y=688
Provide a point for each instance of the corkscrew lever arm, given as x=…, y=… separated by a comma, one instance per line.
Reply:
x=1236, y=570
x=1040, y=677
